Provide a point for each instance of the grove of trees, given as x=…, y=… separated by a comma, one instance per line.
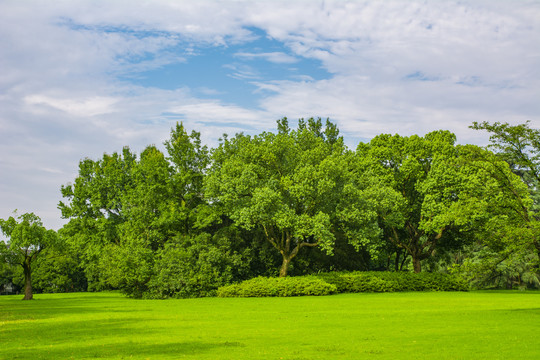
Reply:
x=184, y=221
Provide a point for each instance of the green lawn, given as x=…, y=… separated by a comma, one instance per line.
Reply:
x=435, y=325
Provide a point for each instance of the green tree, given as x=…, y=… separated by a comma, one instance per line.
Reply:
x=425, y=174
x=58, y=269
x=519, y=146
x=189, y=160
x=496, y=214
x=124, y=210
x=27, y=238
x=94, y=206
x=296, y=186
x=509, y=225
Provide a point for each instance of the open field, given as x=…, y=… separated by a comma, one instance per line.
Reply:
x=435, y=325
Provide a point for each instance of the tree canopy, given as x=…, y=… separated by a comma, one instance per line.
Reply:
x=27, y=238
x=300, y=186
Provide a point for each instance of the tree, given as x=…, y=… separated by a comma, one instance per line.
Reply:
x=497, y=214
x=95, y=208
x=190, y=161
x=124, y=210
x=58, y=269
x=296, y=186
x=519, y=146
x=27, y=238
x=425, y=174
x=511, y=226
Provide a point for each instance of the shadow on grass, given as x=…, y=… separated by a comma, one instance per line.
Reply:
x=16, y=309
x=508, y=292
x=99, y=338
x=79, y=329
x=122, y=350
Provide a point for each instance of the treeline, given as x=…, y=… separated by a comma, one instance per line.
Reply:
x=297, y=201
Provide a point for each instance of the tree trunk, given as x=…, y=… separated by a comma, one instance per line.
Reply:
x=396, y=262
x=284, y=266
x=416, y=264
x=403, y=262
x=27, y=279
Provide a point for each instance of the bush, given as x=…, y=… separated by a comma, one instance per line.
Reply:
x=344, y=282
x=192, y=267
x=289, y=286
x=393, y=281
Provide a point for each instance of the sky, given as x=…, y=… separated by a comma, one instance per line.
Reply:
x=82, y=78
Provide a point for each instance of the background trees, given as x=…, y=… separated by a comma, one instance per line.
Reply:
x=182, y=221
x=131, y=216
x=519, y=147
x=509, y=249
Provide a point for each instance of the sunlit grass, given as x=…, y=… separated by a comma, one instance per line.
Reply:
x=436, y=325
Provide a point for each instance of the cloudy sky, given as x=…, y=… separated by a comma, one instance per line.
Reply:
x=81, y=78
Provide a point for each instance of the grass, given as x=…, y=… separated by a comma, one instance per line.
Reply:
x=433, y=325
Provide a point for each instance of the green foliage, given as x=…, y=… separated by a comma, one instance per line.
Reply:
x=194, y=267
x=58, y=270
x=289, y=286
x=425, y=183
x=519, y=147
x=7, y=266
x=486, y=268
x=123, y=210
x=27, y=238
x=344, y=282
x=394, y=281
x=298, y=186
x=184, y=222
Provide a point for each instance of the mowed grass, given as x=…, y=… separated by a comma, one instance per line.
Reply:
x=434, y=325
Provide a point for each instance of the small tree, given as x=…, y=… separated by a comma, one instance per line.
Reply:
x=26, y=239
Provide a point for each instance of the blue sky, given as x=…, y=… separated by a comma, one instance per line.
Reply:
x=231, y=71
x=83, y=78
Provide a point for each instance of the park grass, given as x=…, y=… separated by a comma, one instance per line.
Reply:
x=431, y=325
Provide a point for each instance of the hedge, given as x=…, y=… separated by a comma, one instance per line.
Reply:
x=289, y=286
x=344, y=282
x=373, y=281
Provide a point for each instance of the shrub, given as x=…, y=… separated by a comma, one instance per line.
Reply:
x=394, y=281
x=192, y=267
x=344, y=282
x=289, y=286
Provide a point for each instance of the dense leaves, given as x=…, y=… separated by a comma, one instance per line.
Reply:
x=353, y=282
x=291, y=286
x=344, y=282
x=183, y=220
x=27, y=238
x=427, y=184
x=519, y=147
x=299, y=187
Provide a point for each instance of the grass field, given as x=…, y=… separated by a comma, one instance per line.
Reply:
x=435, y=325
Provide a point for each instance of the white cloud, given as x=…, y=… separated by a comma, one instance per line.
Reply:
x=96, y=105
x=275, y=57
